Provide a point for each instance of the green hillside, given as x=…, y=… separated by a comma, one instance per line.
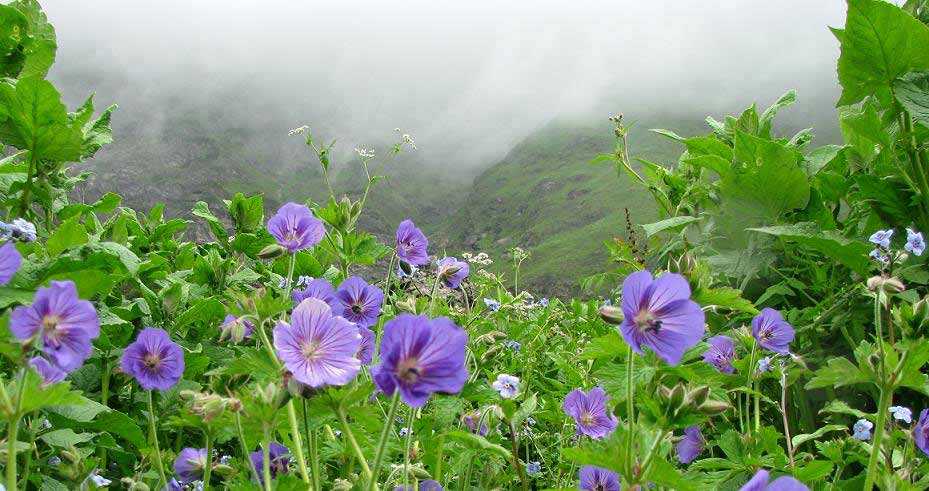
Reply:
x=545, y=196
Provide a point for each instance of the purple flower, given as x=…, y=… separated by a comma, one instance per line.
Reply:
x=235, y=328
x=915, y=243
x=921, y=431
x=597, y=479
x=49, y=372
x=155, y=361
x=533, y=468
x=590, y=412
x=452, y=271
x=295, y=227
x=506, y=385
x=317, y=347
x=427, y=485
x=365, y=352
x=690, y=446
x=189, y=464
x=65, y=323
x=319, y=288
x=420, y=356
x=720, y=353
x=772, y=332
x=882, y=238
x=173, y=485
x=659, y=314
x=492, y=304
x=471, y=420
x=759, y=482
x=764, y=364
x=879, y=256
x=412, y=244
x=358, y=301
x=10, y=261
x=279, y=456
x=23, y=230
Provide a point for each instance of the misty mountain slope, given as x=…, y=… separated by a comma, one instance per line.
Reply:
x=545, y=196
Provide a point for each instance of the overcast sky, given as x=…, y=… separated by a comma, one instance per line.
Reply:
x=470, y=77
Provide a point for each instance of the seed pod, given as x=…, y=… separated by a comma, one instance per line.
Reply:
x=712, y=407
x=270, y=252
x=697, y=396
x=889, y=284
x=611, y=314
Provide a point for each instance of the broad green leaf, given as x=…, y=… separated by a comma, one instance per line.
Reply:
x=838, y=372
x=851, y=253
x=41, y=47
x=798, y=440
x=668, y=223
x=880, y=43
x=65, y=438
x=914, y=96
x=13, y=36
x=841, y=407
x=819, y=158
x=202, y=210
x=97, y=133
x=71, y=233
x=767, y=117
x=478, y=442
x=33, y=118
x=725, y=297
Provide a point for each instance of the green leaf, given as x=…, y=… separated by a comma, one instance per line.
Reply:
x=65, y=438
x=613, y=377
x=914, y=97
x=526, y=409
x=813, y=471
x=767, y=117
x=97, y=133
x=478, y=442
x=202, y=210
x=819, y=158
x=40, y=49
x=13, y=29
x=71, y=233
x=37, y=396
x=668, y=223
x=841, y=407
x=33, y=118
x=880, y=43
x=798, y=440
x=851, y=253
x=726, y=297
x=838, y=372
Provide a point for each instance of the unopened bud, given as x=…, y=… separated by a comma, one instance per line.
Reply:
x=888, y=284
x=677, y=396
x=697, y=396
x=712, y=407
x=272, y=251
x=611, y=314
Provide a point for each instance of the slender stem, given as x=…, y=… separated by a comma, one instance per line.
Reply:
x=154, y=434
x=245, y=452
x=750, y=383
x=886, y=392
x=379, y=453
x=12, y=434
x=406, y=453
x=347, y=429
x=439, y=457
x=267, y=343
x=298, y=444
x=467, y=477
x=266, y=457
x=435, y=289
x=757, y=396
x=790, y=447
x=514, y=445
x=290, y=275
x=630, y=409
x=314, y=451
x=651, y=455
x=105, y=394
x=24, y=202
x=208, y=469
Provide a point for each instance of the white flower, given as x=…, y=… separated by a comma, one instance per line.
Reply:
x=364, y=152
x=299, y=131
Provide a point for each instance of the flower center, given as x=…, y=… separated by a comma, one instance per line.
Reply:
x=766, y=333
x=356, y=309
x=310, y=350
x=646, y=321
x=151, y=361
x=408, y=370
x=50, y=329
x=587, y=419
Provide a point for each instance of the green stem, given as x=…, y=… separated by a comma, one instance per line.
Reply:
x=379, y=453
x=153, y=429
x=298, y=444
x=651, y=455
x=514, y=445
x=757, y=396
x=245, y=452
x=27, y=190
x=208, y=469
x=12, y=434
x=406, y=453
x=630, y=409
x=105, y=394
x=290, y=275
x=266, y=457
x=435, y=289
x=439, y=457
x=314, y=452
x=347, y=429
x=886, y=391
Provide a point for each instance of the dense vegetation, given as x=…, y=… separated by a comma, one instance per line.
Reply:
x=766, y=332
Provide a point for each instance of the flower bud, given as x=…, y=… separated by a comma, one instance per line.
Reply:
x=676, y=397
x=611, y=314
x=697, y=396
x=887, y=284
x=272, y=251
x=712, y=407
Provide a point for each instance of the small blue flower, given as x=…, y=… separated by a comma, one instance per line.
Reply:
x=492, y=304
x=404, y=431
x=533, y=468
x=282, y=284
x=530, y=421
x=98, y=480
x=506, y=385
x=879, y=256
x=54, y=461
x=901, y=413
x=764, y=364
x=225, y=460
x=862, y=430
x=406, y=270
x=543, y=302
x=513, y=345
x=302, y=281
x=24, y=230
x=6, y=231
x=915, y=243
x=882, y=238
